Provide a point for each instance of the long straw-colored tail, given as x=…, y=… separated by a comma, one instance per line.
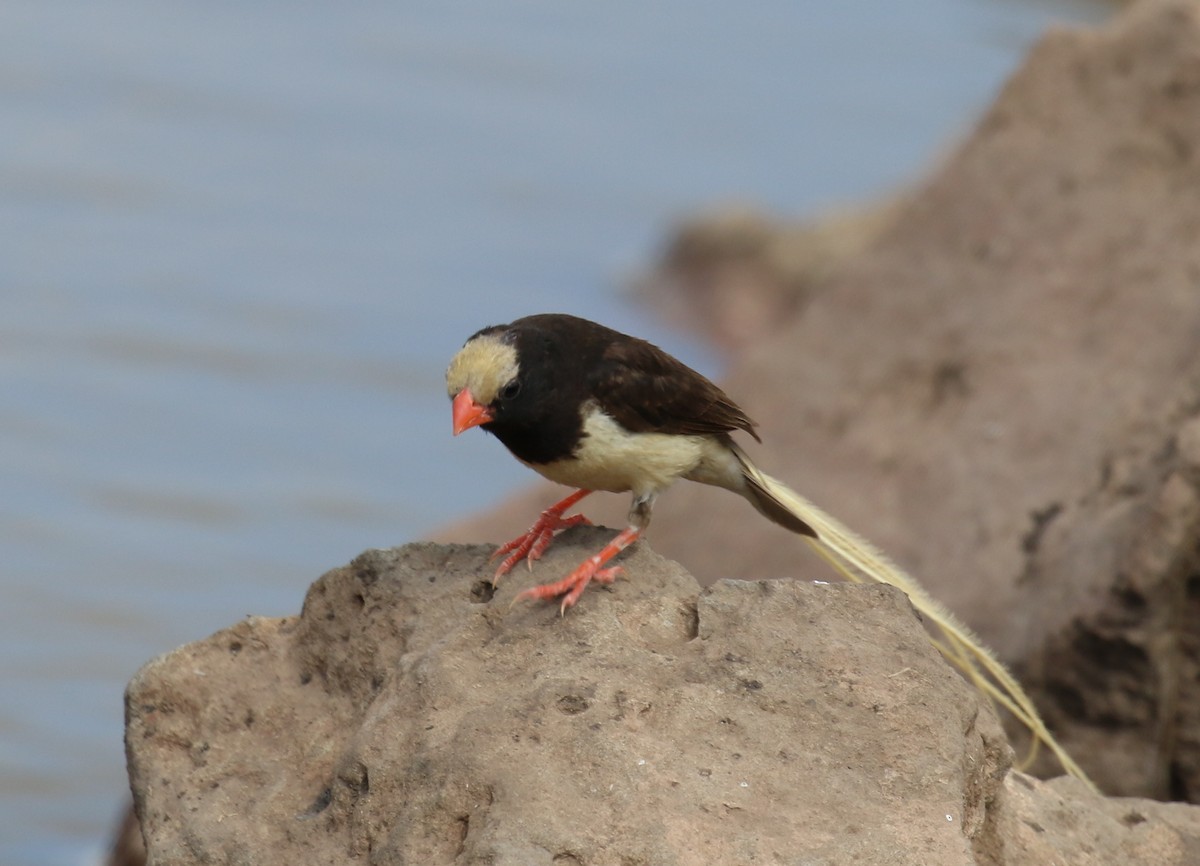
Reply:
x=857, y=559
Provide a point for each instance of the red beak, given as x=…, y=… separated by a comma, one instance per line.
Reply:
x=468, y=413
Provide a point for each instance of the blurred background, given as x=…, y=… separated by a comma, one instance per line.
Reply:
x=239, y=243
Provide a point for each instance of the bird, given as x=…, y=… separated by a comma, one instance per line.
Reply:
x=592, y=408
x=595, y=409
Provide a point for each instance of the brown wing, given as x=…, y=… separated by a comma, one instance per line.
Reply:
x=648, y=391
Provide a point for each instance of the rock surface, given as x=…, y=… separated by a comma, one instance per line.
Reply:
x=1003, y=392
x=408, y=715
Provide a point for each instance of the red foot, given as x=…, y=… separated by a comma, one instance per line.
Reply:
x=533, y=543
x=573, y=585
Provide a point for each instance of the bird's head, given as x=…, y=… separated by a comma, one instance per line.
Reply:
x=482, y=378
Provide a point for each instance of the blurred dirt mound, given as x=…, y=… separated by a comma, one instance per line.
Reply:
x=1002, y=389
x=735, y=275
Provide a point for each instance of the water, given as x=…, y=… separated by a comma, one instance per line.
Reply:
x=238, y=243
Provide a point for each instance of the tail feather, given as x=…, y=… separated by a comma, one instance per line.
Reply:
x=769, y=504
x=857, y=560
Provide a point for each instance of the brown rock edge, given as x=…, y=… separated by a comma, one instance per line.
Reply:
x=409, y=715
x=1002, y=390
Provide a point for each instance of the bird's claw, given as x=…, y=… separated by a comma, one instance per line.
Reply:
x=572, y=586
x=535, y=541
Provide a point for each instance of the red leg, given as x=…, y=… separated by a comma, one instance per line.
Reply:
x=533, y=543
x=573, y=585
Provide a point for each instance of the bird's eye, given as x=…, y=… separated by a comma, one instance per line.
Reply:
x=510, y=390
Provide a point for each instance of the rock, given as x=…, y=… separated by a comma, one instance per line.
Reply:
x=408, y=715
x=1001, y=392
x=1039, y=823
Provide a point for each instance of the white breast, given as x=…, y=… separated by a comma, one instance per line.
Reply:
x=614, y=459
x=611, y=458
